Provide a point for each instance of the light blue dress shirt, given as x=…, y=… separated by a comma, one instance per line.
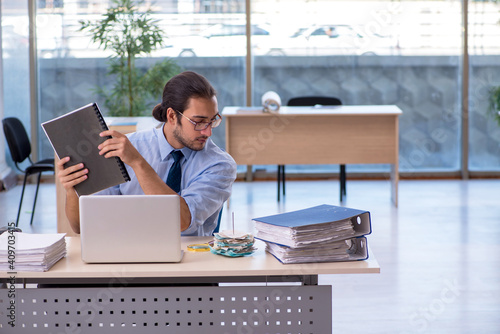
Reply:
x=207, y=177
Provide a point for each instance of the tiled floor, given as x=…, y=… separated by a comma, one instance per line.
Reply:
x=439, y=251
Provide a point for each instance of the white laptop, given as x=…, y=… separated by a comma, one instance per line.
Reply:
x=130, y=228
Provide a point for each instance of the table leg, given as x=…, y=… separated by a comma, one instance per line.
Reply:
x=394, y=183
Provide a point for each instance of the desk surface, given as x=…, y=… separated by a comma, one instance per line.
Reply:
x=371, y=110
x=197, y=264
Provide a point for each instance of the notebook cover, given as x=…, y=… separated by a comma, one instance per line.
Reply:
x=315, y=215
x=76, y=134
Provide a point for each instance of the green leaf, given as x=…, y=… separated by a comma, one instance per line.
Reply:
x=495, y=102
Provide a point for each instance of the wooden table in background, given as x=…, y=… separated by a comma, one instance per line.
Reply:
x=311, y=135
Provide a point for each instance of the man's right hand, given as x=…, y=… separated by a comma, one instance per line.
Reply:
x=71, y=176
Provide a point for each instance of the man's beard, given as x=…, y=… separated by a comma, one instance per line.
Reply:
x=191, y=144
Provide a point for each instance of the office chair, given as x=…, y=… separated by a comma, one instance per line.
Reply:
x=305, y=101
x=20, y=150
x=217, y=228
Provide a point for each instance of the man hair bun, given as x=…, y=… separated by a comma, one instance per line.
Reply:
x=159, y=113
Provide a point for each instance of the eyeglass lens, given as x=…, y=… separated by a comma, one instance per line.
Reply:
x=203, y=125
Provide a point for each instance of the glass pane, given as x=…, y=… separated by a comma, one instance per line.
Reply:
x=484, y=49
x=15, y=50
x=195, y=37
x=405, y=53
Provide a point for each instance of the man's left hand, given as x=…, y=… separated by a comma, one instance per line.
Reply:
x=119, y=146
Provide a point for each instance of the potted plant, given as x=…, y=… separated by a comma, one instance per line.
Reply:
x=130, y=32
x=495, y=102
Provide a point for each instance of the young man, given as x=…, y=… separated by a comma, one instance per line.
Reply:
x=189, y=111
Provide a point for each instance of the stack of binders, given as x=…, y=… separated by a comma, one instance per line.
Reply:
x=323, y=233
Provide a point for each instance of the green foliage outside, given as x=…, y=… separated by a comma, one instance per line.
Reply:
x=495, y=96
x=495, y=102
x=130, y=32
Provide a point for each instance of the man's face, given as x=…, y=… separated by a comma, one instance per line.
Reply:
x=199, y=110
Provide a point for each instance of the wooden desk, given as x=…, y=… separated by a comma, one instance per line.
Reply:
x=171, y=298
x=309, y=135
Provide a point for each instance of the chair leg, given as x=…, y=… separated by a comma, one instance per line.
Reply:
x=278, y=178
x=21, y=201
x=342, y=182
x=36, y=195
x=283, y=178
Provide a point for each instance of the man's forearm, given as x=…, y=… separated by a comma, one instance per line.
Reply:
x=72, y=208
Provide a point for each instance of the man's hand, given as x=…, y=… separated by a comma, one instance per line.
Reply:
x=71, y=176
x=119, y=146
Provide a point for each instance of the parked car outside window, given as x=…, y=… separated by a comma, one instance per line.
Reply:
x=228, y=40
x=325, y=40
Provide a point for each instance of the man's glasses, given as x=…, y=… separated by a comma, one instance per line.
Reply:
x=199, y=126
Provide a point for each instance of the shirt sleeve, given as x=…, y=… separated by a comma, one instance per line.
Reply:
x=207, y=192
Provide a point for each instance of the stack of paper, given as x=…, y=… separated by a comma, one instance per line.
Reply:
x=300, y=236
x=343, y=250
x=323, y=233
x=233, y=244
x=30, y=252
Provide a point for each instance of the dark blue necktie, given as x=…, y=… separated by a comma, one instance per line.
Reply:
x=175, y=172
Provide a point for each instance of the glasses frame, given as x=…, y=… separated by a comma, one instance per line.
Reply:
x=197, y=124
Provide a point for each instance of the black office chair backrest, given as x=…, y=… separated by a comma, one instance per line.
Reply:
x=306, y=101
x=17, y=139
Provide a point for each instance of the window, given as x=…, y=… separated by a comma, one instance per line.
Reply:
x=407, y=53
x=71, y=66
x=484, y=49
x=15, y=50
x=385, y=52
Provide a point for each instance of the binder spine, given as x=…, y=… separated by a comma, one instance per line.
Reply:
x=104, y=127
x=101, y=119
x=123, y=169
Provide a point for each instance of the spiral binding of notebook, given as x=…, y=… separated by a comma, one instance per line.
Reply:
x=105, y=128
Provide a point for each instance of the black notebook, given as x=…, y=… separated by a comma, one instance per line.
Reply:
x=76, y=134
